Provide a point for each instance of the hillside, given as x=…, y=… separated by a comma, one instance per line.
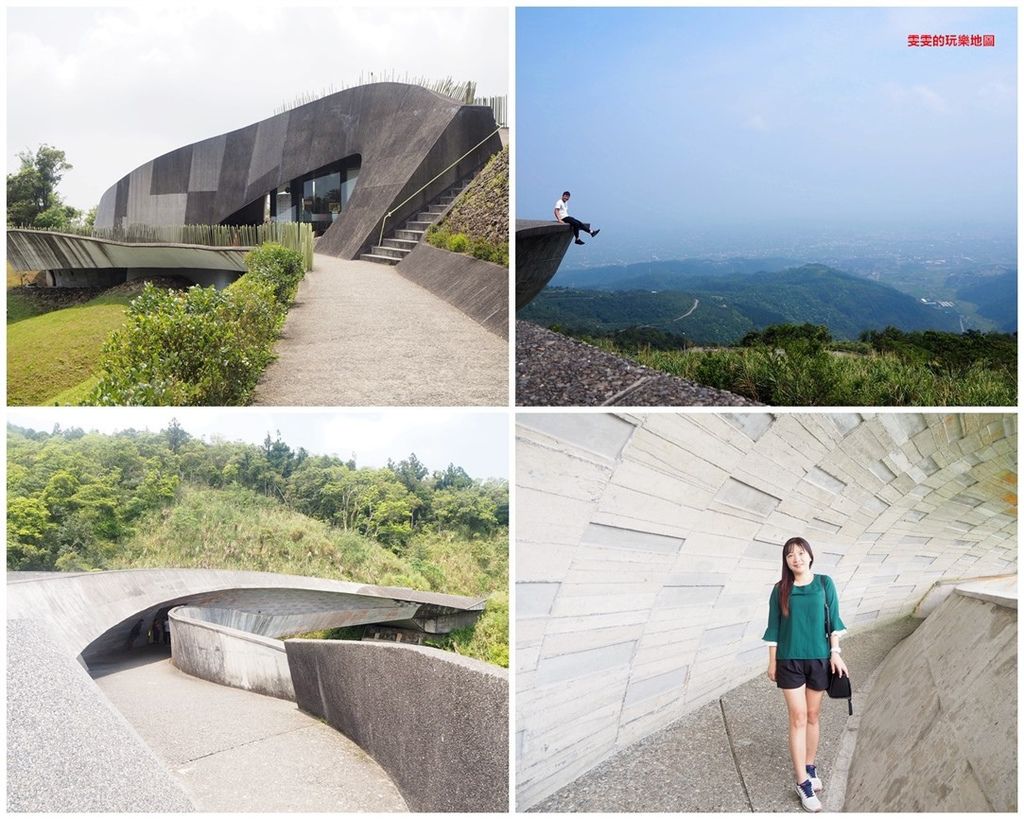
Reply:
x=665, y=275
x=52, y=353
x=729, y=306
x=84, y=501
x=995, y=298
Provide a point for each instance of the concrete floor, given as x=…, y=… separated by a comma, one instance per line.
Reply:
x=233, y=750
x=731, y=755
x=359, y=334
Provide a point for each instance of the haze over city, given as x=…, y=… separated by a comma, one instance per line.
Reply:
x=811, y=132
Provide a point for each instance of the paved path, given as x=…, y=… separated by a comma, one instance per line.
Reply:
x=731, y=754
x=233, y=750
x=359, y=334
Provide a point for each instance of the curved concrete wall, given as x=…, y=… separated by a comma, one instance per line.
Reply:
x=647, y=546
x=436, y=722
x=68, y=749
x=477, y=288
x=35, y=250
x=540, y=247
x=229, y=656
x=943, y=708
x=404, y=135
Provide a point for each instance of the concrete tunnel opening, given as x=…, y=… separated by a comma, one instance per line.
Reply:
x=642, y=588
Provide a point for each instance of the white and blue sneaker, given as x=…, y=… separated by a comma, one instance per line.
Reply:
x=809, y=801
x=812, y=773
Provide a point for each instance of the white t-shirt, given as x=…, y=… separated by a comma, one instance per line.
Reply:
x=562, y=208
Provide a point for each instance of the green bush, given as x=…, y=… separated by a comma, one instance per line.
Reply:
x=204, y=346
x=461, y=243
x=200, y=347
x=278, y=266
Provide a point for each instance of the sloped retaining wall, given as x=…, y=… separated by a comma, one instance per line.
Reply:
x=435, y=721
x=228, y=656
x=939, y=732
x=477, y=288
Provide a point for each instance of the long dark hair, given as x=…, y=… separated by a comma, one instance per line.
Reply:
x=786, y=583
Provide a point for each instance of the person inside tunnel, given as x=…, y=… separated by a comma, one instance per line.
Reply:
x=802, y=654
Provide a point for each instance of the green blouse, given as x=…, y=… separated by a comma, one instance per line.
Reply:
x=801, y=635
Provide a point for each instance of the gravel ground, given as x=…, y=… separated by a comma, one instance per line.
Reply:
x=360, y=334
x=556, y=371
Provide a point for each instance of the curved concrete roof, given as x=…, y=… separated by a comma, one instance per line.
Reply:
x=82, y=608
x=647, y=546
x=404, y=135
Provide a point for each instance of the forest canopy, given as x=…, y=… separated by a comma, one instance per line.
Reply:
x=73, y=496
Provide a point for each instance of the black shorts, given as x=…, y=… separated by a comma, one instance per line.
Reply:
x=794, y=673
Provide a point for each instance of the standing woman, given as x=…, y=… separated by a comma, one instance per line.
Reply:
x=799, y=656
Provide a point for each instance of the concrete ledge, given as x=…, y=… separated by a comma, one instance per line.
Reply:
x=229, y=656
x=435, y=721
x=540, y=247
x=477, y=288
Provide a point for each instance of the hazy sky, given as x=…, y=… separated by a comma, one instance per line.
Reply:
x=740, y=118
x=476, y=441
x=116, y=87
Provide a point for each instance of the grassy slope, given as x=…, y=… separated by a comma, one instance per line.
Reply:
x=830, y=380
x=239, y=529
x=52, y=353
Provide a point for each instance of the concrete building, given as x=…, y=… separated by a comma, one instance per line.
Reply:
x=647, y=547
x=341, y=162
x=369, y=168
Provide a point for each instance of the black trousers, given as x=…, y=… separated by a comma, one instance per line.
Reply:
x=577, y=226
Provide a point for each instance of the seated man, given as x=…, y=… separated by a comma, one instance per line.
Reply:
x=562, y=215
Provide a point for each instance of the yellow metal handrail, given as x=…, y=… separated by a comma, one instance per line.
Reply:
x=388, y=215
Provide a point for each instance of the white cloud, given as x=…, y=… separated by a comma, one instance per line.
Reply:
x=116, y=87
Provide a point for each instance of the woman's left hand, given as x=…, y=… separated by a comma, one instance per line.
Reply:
x=838, y=666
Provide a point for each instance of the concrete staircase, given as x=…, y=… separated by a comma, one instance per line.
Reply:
x=397, y=246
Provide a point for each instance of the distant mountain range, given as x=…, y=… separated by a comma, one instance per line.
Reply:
x=713, y=303
x=995, y=298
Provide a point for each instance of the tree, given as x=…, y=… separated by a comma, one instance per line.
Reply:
x=176, y=436
x=32, y=198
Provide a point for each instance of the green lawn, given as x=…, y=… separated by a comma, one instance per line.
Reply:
x=49, y=356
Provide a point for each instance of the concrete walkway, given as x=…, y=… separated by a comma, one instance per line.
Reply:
x=359, y=334
x=731, y=754
x=232, y=750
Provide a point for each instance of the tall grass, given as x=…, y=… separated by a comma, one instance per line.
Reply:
x=464, y=91
x=238, y=529
x=785, y=378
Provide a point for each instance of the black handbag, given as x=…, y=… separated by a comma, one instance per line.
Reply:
x=839, y=687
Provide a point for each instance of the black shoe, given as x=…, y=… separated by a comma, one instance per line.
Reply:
x=580, y=242
x=595, y=232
